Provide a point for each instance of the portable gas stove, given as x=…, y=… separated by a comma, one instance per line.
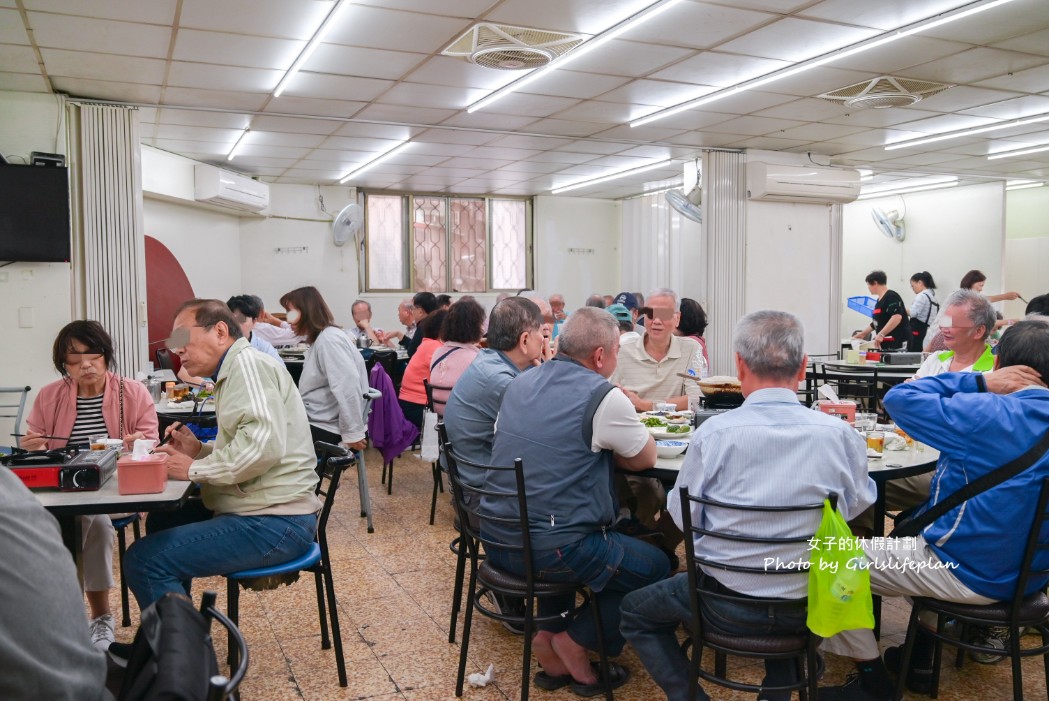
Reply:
x=67, y=469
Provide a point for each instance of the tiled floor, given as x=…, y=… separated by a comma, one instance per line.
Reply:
x=395, y=588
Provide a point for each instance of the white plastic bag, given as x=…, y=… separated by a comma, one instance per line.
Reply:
x=430, y=450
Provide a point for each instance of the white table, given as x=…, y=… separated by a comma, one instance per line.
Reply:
x=889, y=372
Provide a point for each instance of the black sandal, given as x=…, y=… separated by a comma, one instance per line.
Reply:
x=618, y=676
x=549, y=682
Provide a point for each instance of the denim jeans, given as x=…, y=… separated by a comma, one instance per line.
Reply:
x=651, y=617
x=591, y=561
x=168, y=560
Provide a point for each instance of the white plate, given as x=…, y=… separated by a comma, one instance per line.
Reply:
x=661, y=433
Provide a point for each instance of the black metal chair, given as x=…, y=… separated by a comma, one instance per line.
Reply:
x=485, y=578
x=859, y=383
x=316, y=560
x=458, y=549
x=120, y=526
x=800, y=647
x=221, y=687
x=13, y=408
x=164, y=361
x=438, y=480
x=1030, y=611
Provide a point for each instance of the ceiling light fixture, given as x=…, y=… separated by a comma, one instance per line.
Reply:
x=1018, y=152
x=236, y=146
x=375, y=161
x=807, y=65
x=967, y=132
x=917, y=185
x=660, y=191
x=1023, y=186
x=611, y=176
x=318, y=37
x=581, y=50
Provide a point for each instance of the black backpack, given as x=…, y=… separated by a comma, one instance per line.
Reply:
x=172, y=657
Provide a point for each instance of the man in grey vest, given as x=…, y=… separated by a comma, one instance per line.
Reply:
x=572, y=427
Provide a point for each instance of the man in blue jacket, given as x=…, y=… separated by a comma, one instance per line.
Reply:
x=972, y=554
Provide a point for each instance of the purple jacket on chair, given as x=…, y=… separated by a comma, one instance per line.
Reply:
x=390, y=432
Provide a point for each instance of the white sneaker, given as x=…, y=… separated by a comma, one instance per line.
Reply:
x=102, y=631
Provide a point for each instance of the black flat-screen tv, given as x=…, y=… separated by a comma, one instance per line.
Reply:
x=34, y=213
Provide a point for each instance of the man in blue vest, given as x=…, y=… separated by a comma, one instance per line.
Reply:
x=572, y=427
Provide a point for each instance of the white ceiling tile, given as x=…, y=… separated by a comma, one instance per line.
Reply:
x=432, y=149
x=575, y=84
x=653, y=153
x=530, y=105
x=214, y=98
x=583, y=16
x=251, y=160
x=147, y=114
x=295, y=125
x=323, y=85
x=152, y=12
x=535, y=143
x=441, y=171
x=817, y=132
x=80, y=64
x=699, y=25
x=1033, y=43
x=235, y=50
x=504, y=154
x=996, y=25
x=816, y=81
x=407, y=158
x=1033, y=80
x=754, y=126
x=601, y=113
x=258, y=137
x=769, y=143
x=482, y=120
x=976, y=65
x=532, y=167
x=394, y=29
x=597, y=147
x=702, y=138
x=630, y=58
x=792, y=39
x=924, y=159
x=354, y=60
x=648, y=132
x=199, y=118
x=250, y=148
x=367, y=145
x=747, y=102
x=883, y=15
x=289, y=104
x=563, y=157
x=451, y=8
x=697, y=118
x=327, y=158
x=641, y=93
x=881, y=118
x=432, y=96
x=913, y=51
x=964, y=97
x=457, y=136
x=391, y=132
x=460, y=73
x=403, y=113
x=805, y=108
x=722, y=70
x=946, y=122
x=107, y=90
x=18, y=59
x=267, y=18
x=12, y=30
x=212, y=77
x=1013, y=109
x=23, y=82
x=85, y=34
x=227, y=137
x=566, y=127
x=210, y=148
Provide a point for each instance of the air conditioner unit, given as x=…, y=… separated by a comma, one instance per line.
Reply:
x=225, y=189
x=791, y=183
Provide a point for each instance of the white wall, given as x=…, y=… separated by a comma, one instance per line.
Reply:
x=1026, y=245
x=788, y=263
x=31, y=122
x=949, y=232
x=207, y=244
x=564, y=223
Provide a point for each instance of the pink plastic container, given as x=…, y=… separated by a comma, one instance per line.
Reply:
x=142, y=476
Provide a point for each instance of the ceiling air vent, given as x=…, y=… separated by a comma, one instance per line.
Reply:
x=511, y=48
x=884, y=91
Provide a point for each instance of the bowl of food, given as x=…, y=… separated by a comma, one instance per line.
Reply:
x=670, y=449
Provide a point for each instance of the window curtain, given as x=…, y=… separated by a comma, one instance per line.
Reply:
x=660, y=247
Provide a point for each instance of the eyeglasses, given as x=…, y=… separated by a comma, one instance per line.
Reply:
x=179, y=337
x=78, y=358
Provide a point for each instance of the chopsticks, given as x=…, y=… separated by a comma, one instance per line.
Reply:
x=697, y=378
x=1022, y=299
x=50, y=438
x=166, y=436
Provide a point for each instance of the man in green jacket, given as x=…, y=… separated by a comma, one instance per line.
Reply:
x=257, y=479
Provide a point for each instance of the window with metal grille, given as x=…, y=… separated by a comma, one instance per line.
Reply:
x=447, y=244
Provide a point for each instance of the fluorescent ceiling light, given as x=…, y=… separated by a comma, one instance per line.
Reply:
x=1025, y=186
x=916, y=185
x=604, y=37
x=1019, y=152
x=236, y=146
x=318, y=37
x=611, y=176
x=658, y=191
x=375, y=161
x=851, y=50
x=967, y=132
x=865, y=173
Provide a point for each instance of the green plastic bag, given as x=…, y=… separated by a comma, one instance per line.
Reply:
x=839, y=578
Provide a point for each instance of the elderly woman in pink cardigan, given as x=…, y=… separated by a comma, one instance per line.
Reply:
x=90, y=400
x=461, y=333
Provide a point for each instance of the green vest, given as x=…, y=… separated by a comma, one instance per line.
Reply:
x=985, y=363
